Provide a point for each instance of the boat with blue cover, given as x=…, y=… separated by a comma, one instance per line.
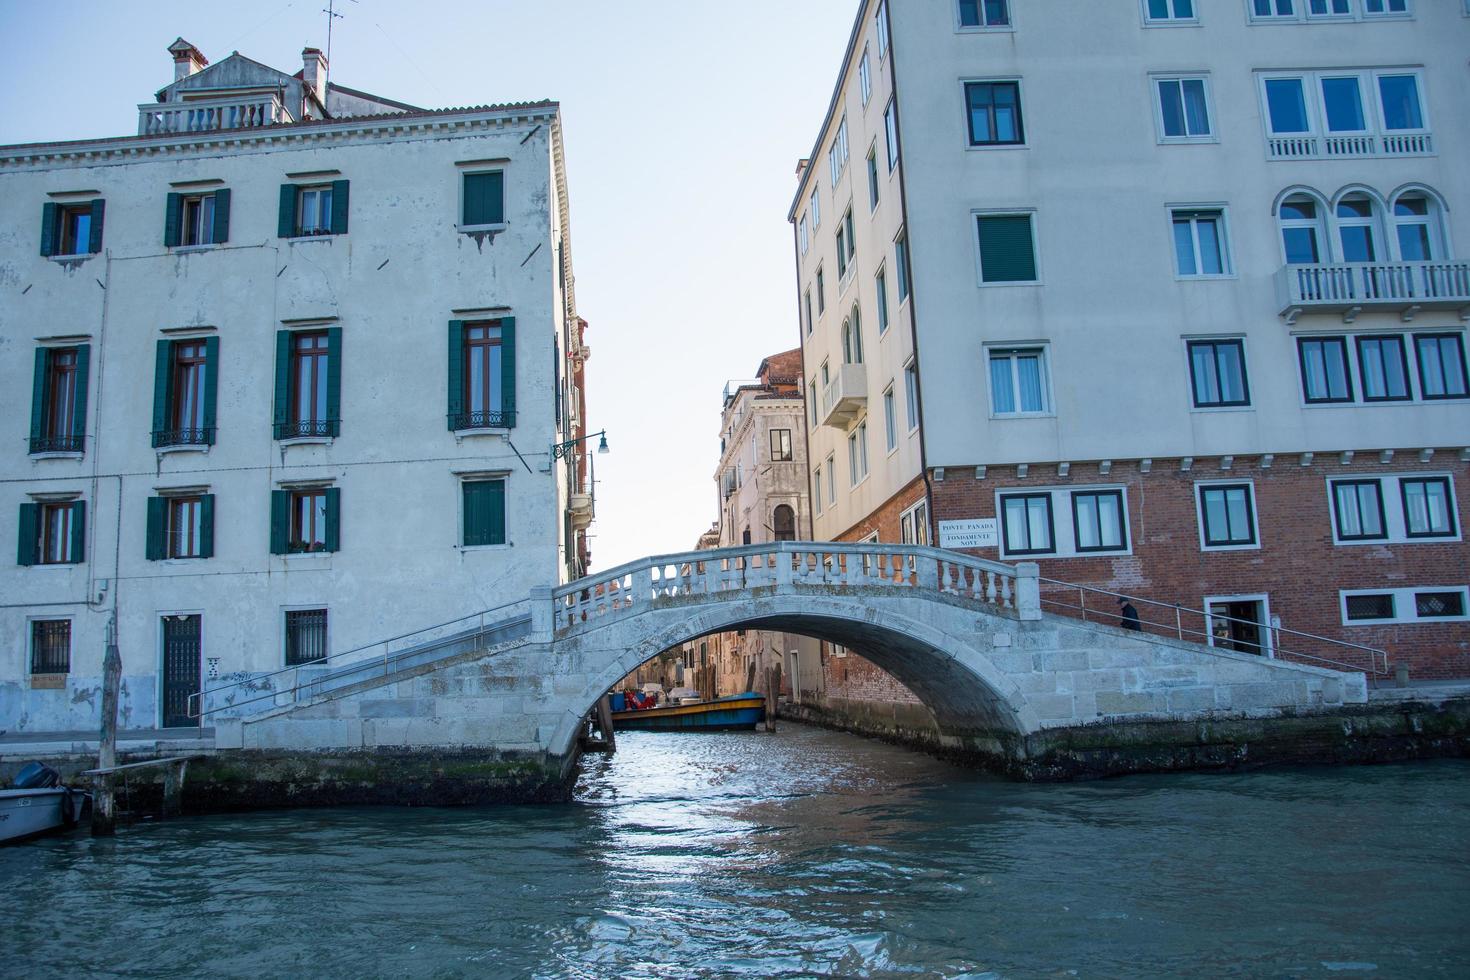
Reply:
x=736, y=712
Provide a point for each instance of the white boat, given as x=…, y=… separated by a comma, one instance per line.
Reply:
x=39, y=805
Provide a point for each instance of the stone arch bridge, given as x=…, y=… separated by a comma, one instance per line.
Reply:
x=1026, y=691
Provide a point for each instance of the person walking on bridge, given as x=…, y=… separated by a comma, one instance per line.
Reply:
x=1128, y=616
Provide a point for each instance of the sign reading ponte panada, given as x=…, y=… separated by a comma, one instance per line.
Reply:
x=981, y=532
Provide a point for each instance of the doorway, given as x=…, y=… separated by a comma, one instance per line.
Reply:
x=1240, y=623
x=181, y=653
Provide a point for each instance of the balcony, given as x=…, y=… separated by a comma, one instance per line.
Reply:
x=1353, y=146
x=482, y=420
x=845, y=397
x=209, y=115
x=167, y=438
x=1351, y=288
x=580, y=506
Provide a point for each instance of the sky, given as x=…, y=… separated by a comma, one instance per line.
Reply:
x=683, y=122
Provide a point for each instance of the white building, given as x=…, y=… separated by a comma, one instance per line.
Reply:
x=293, y=359
x=1168, y=295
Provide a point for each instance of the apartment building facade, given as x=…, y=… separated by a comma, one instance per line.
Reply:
x=1184, y=321
x=298, y=365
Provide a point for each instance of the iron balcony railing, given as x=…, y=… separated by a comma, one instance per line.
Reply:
x=308, y=428
x=483, y=420
x=183, y=437
x=56, y=444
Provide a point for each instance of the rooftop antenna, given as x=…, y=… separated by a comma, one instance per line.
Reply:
x=331, y=12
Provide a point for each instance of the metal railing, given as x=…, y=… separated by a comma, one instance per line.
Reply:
x=307, y=428
x=1197, y=625
x=56, y=444
x=183, y=437
x=380, y=659
x=483, y=420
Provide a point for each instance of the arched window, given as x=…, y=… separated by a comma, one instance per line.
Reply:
x=852, y=339
x=1357, y=230
x=784, y=521
x=1418, y=227
x=745, y=537
x=1301, y=230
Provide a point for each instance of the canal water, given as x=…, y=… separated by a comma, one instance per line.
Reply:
x=803, y=853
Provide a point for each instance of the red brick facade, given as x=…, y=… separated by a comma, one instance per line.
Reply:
x=1297, y=565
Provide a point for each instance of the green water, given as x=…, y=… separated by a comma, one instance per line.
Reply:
x=805, y=853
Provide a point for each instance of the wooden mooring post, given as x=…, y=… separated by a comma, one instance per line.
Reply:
x=104, y=804
x=773, y=685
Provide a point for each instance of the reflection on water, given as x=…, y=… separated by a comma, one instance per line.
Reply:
x=803, y=853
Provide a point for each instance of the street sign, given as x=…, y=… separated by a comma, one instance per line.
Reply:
x=980, y=532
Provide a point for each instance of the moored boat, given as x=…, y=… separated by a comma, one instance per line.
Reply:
x=36, y=803
x=737, y=712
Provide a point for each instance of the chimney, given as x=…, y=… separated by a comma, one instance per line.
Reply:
x=187, y=59
x=314, y=73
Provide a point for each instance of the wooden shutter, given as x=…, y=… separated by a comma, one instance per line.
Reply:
x=173, y=219
x=334, y=381
x=286, y=224
x=484, y=512
x=25, y=552
x=163, y=382
x=48, y=228
x=339, y=207
x=280, y=521
x=39, y=384
x=78, y=531
x=94, y=243
x=484, y=198
x=1006, y=250
x=334, y=519
x=79, y=395
x=206, y=526
x=508, y=370
x=211, y=387
x=281, y=414
x=221, y=216
x=456, y=372
x=157, y=515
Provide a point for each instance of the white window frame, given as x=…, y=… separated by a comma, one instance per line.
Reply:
x=817, y=489
x=831, y=479
x=1268, y=626
x=1405, y=608
x=1372, y=104
x=1009, y=352
x=803, y=236
x=874, y=188
x=890, y=420
x=1028, y=213
x=1227, y=259
x=1301, y=12
x=1159, y=78
x=1171, y=20
x=881, y=20
x=857, y=455
x=1255, y=515
x=865, y=77
x=837, y=153
x=915, y=518
x=911, y=393
x=1395, y=516
x=880, y=293
x=816, y=210
x=983, y=27
x=1063, y=518
x=890, y=134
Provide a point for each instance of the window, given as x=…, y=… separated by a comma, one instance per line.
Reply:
x=1383, y=368
x=180, y=526
x=184, y=389
x=852, y=339
x=1019, y=382
x=901, y=263
x=482, y=369
x=59, y=400
x=857, y=449
x=890, y=133
x=1441, y=365
x=808, y=300
x=821, y=292
x=1358, y=113
x=50, y=646
x=1292, y=10
x=837, y=153
x=1299, y=231
x=802, y=237
x=1200, y=247
x=1026, y=523
x=890, y=420
x=913, y=524
x=309, y=391
x=865, y=77
x=1227, y=517
x=71, y=229
x=783, y=523
x=831, y=480
x=881, y=19
x=1413, y=605
x=1325, y=375
x=1357, y=510
x=305, y=520
x=197, y=219
x=846, y=246
x=1217, y=370
x=484, y=199
x=1168, y=11
x=880, y=286
x=310, y=210
x=1007, y=249
x=812, y=402
x=873, y=179
x=1356, y=229
x=911, y=394
x=985, y=13
x=817, y=489
x=1098, y=521
x=306, y=636
x=1328, y=8
x=781, y=445
x=816, y=211
x=1184, y=110
x=1417, y=228
x=1429, y=510
x=52, y=533
x=995, y=113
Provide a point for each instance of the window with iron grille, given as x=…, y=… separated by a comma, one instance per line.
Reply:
x=306, y=636
x=50, y=646
x=1378, y=605
x=1435, y=605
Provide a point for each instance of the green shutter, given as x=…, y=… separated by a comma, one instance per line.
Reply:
x=456, y=372
x=484, y=198
x=286, y=226
x=221, y=216
x=495, y=501
x=173, y=219
x=38, y=397
x=48, y=228
x=334, y=519
x=339, y=207
x=334, y=381
x=484, y=512
x=280, y=520
x=157, y=510
x=282, y=413
x=1006, y=250
x=163, y=382
x=78, y=531
x=508, y=371
x=211, y=387
x=79, y=396
x=206, y=526
x=94, y=243
x=25, y=552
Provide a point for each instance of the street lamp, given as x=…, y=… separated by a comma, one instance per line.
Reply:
x=560, y=449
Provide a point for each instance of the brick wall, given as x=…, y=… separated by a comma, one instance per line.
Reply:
x=1297, y=564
